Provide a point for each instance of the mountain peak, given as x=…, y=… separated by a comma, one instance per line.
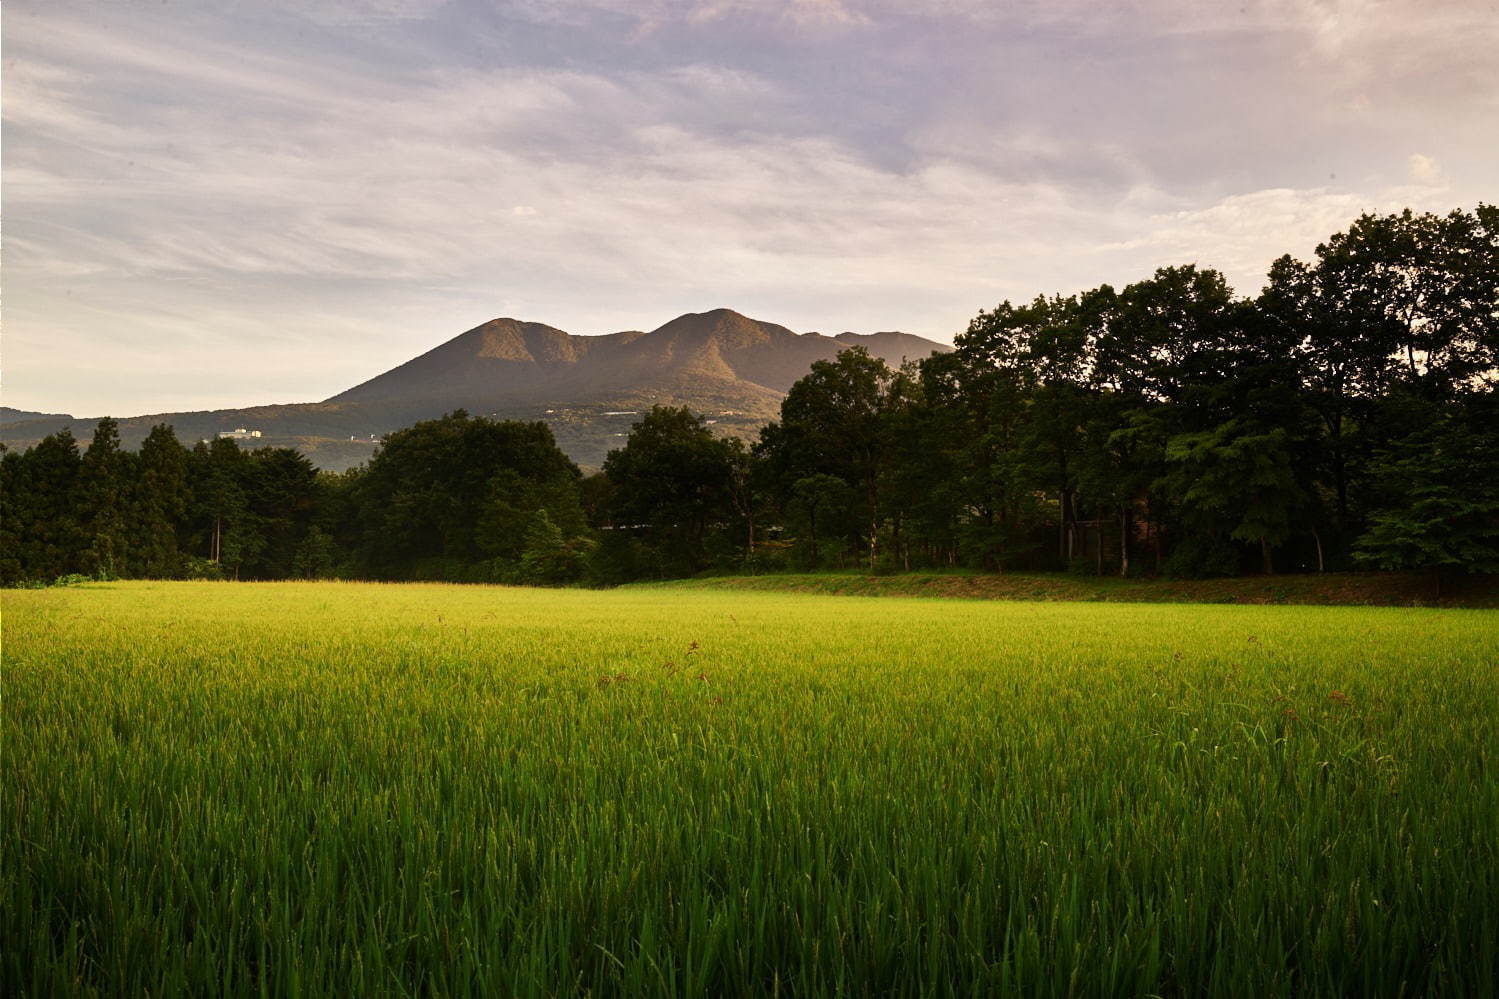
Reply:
x=722, y=328
x=717, y=354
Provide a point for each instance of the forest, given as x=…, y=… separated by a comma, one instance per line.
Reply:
x=1346, y=417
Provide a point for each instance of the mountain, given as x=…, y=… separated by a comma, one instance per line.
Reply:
x=506, y=361
x=732, y=368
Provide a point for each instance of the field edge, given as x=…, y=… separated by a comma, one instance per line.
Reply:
x=1374, y=589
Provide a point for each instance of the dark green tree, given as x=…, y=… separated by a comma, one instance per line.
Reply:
x=282, y=493
x=452, y=498
x=1396, y=303
x=819, y=504
x=1438, y=488
x=1238, y=478
x=547, y=556
x=745, y=491
x=14, y=493
x=832, y=422
x=51, y=541
x=227, y=534
x=315, y=555
x=104, y=494
x=673, y=479
x=161, y=505
x=510, y=507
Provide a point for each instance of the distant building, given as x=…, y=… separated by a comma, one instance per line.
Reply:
x=238, y=434
x=622, y=412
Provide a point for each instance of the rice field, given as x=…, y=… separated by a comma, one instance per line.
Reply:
x=302, y=789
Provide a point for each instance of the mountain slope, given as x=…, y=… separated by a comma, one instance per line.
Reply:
x=501, y=357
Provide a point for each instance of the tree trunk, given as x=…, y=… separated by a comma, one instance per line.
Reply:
x=1340, y=478
x=1124, y=532
x=1155, y=535
x=1062, y=552
x=1334, y=422
x=1269, y=566
x=1318, y=538
x=744, y=502
x=1071, y=526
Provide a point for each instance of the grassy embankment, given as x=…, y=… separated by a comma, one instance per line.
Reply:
x=363, y=789
x=1366, y=589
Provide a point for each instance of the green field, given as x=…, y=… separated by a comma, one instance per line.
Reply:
x=360, y=789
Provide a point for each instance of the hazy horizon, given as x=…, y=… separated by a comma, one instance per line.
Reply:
x=214, y=204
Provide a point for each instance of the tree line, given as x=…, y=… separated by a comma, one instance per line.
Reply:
x=1345, y=417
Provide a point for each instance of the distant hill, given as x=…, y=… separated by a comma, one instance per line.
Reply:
x=732, y=368
x=9, y=415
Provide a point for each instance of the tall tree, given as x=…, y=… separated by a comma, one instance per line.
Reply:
x=227, y=532
x=831, y=423
x=674, y=478
x=1428, y=288
x=1163, y=332
x=47, y=510
x=282, y=494
x=452, y=498
x=1394, y=300
x=161, y=504
x=818, y=502
x=104, y=490
x=744, y=490
x=14, y=493
x=1438, y=488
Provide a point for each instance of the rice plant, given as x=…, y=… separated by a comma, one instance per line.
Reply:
x=313, y=788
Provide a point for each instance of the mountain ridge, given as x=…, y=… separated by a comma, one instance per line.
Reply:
x=733, y=369
x=511, y=360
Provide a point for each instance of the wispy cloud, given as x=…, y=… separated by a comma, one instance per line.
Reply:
x=236, y=207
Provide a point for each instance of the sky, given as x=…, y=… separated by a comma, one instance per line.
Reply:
x=235, y=202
